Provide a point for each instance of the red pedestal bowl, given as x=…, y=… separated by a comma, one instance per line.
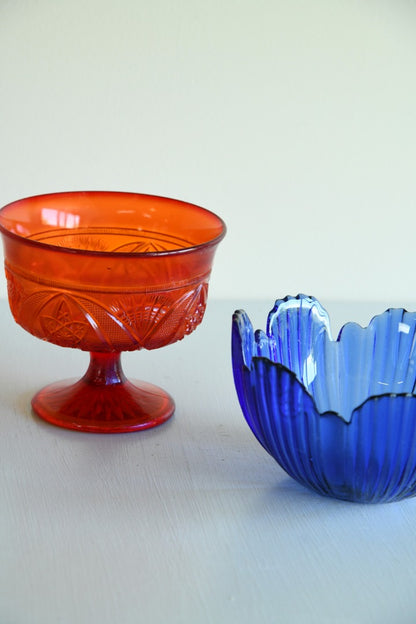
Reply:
x=107, y=272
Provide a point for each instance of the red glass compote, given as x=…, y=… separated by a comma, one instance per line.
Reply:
x=107, y=272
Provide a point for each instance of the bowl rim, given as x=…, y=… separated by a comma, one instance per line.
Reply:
x=115, y=254
x=240, y=318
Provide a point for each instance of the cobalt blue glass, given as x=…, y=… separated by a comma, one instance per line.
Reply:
x=339, y=416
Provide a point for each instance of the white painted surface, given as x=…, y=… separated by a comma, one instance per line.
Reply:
x=293, y=120
x=189, y=523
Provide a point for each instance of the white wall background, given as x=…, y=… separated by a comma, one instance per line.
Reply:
x=294, y=120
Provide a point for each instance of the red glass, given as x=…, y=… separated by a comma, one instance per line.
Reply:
x=107, y=272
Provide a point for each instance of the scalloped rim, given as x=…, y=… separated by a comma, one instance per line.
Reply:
x=324, y=314
x=241, y=318
x=299, y=297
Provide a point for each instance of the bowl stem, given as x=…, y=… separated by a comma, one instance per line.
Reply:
x=104, y=369
x=103, y=400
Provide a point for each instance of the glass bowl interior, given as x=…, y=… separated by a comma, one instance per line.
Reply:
x=111, y=222
x=338, y=374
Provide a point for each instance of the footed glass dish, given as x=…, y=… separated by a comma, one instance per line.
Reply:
x=339, y=416
x=107, y=272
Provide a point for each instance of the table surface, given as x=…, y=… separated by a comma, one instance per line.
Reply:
x=188, y=522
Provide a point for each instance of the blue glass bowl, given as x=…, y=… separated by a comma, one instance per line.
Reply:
x=339, y=416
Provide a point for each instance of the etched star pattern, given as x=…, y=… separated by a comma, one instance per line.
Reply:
x=61, y=325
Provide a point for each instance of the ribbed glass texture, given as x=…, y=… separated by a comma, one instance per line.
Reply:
x=339, y=416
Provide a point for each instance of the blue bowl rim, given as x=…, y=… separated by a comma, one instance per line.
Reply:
x=239, y=312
